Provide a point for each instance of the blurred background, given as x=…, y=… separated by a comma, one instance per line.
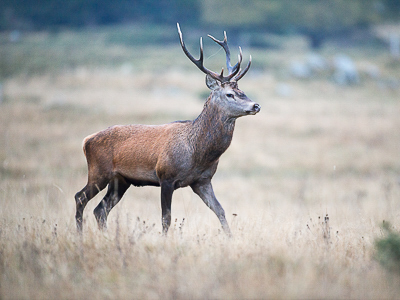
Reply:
x=327, y=74
x=367, y=24
x=319, y=21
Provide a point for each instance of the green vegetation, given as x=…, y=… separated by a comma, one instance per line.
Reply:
x=388, y=249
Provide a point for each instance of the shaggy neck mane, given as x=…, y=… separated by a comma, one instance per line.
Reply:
x=212, y=132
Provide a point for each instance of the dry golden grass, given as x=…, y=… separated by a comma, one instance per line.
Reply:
x=325, y=150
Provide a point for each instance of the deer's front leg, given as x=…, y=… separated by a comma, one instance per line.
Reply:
x=206, y=193
x=167, y=190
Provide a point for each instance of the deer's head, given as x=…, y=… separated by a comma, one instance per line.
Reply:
x=224, y=89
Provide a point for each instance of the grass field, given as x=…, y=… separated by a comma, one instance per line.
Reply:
x=306, y=183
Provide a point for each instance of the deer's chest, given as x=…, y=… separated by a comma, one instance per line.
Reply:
x=196, y=174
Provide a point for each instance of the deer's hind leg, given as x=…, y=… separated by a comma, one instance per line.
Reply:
x=116, y=189
x=83, y=197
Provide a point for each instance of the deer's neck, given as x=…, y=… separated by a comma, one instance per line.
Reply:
x=212, y=133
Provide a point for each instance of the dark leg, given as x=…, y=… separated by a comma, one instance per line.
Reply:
x=116, y=189
x=82, y=198
x=167, y=190
x=206, y=193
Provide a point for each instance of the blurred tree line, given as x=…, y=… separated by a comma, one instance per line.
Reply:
x=317, y=19
x=45, y=14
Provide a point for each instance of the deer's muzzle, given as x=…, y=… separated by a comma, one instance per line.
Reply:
x=255, y=109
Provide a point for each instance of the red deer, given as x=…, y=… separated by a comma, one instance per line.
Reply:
x=173, y=155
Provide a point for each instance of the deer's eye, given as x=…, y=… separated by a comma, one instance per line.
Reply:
x=230, y=95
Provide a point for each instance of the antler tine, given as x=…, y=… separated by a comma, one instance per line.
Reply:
x=242, y=73
x=240, y=56
x=197, y=62
x=224, y=45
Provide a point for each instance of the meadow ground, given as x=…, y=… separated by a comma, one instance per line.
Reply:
x=306, y=185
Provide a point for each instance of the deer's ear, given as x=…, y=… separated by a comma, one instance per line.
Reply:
x=212, y=83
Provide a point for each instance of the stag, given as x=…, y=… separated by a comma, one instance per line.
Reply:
x=173, y=155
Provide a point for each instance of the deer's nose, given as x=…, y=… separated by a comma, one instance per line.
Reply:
x=256, y=107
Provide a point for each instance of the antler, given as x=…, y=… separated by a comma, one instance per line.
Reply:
x=242, y=73
x=233, y=71
x=224, y=44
